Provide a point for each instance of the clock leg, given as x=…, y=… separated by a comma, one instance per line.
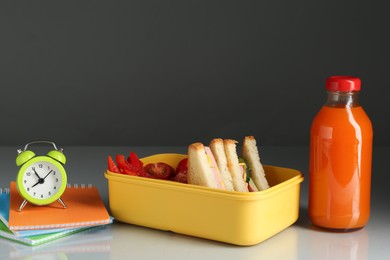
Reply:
x=22, y=205
x=62, y=203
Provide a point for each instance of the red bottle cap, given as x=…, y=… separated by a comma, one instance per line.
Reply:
x=342, y=83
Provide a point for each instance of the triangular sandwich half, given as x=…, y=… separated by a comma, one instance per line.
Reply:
x=251, y=155
x=202, y=167
x=233, y=165
x=217, y=147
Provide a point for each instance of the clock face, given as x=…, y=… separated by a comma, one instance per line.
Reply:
x=42, y=180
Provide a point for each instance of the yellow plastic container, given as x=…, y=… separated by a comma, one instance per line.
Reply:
x=241, y=218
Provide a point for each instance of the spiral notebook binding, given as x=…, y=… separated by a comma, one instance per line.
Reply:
x=81, y=186
x=5, y=190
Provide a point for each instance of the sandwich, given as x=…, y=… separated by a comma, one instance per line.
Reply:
x=218, y=166
x=237, y=172
x=251, y=155
x=202, y=167
x=218, y=149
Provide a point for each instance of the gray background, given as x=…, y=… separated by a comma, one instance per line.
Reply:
x=167, y=73
x=174, y=72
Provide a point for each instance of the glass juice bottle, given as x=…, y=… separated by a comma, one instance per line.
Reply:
x=340, y=159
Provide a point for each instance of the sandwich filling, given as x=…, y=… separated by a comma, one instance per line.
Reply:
x=214, y=168
x=246, y=176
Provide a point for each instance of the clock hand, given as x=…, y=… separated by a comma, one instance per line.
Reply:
x=41, y=180
x=36, y=183
x=47, y=174
x=36, y=173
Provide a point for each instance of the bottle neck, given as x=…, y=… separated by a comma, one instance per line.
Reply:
x=342, y=99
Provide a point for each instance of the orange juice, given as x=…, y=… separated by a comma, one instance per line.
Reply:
x=340, y=163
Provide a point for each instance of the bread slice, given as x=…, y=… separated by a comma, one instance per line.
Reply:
x=233, y=165
x=217, y=147
x=251, y=155
x=199, y=171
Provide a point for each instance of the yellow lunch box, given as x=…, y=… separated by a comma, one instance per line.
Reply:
x=240, y=218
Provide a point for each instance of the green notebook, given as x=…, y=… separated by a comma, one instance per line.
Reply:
x=39, y=239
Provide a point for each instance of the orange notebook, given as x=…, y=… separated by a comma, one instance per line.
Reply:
x=84, y=208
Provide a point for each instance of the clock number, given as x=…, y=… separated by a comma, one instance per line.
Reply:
x=28, y=189
x=28, y=173
x=40, y=165
x=49, y=193
x=41, y=195
x=25, y=181
x=34, y=193
x=56, y=179
x=54, y=172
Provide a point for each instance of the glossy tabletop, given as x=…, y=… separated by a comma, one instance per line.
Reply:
x=124, y=241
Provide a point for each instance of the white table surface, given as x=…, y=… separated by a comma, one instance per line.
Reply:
x=124, y=241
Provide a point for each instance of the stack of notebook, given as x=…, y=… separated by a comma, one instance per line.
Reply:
x=35, y=225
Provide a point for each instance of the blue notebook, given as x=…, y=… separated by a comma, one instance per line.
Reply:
x=4, y=205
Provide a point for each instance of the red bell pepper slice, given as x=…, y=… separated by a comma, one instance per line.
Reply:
x=111, y=165
x=134, y=160
x=124, y=166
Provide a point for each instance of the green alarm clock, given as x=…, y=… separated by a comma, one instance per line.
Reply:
x=41, y=180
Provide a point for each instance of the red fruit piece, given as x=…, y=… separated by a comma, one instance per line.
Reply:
x=180, y=177
x=159, y=170
x=125, y=167
x=181, y=171
x=134, y=160
x=182, y=166
x=111, y=165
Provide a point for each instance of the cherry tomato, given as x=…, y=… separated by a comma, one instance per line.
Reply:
x=159, y=170
x=182, y=166
x=111, y=165
x=181, y=171
x=180, y=177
